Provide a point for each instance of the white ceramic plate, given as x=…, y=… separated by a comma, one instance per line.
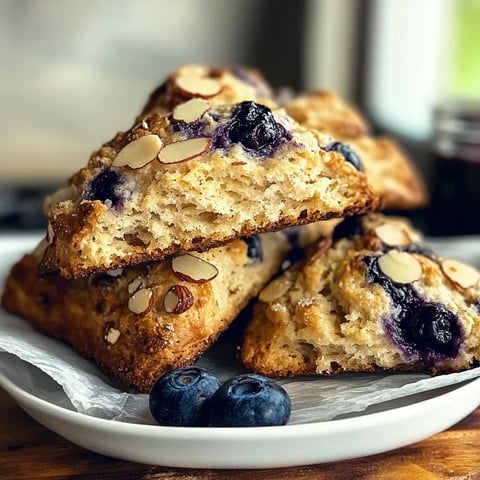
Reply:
x=401, y=422
x=380, y=428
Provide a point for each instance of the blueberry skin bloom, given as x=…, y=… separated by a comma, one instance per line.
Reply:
x=179, y=397
x=249, y=400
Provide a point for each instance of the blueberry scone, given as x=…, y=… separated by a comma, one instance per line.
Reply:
x=390, y=172
x=196, y=179
x=372, y=297
x=138, y=322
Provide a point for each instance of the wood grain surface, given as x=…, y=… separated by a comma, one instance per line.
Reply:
x=30, y=451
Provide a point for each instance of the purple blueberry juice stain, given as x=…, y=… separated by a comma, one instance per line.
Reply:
x=425, y=331
x=107, y=188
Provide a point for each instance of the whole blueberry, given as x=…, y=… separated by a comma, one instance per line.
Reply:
x=434, y=327
x=254, y=126
x=105, y=187
x=249, y=400
x=348, y=153
x=179, y=397
x=254, y=248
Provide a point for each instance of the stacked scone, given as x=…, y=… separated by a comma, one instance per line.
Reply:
x=172, y=227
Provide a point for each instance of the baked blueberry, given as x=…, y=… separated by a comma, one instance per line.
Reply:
x=434, y=327
x=424, y=331
x=179, y=397
x=105, y=187
x=348, y=153
x=254, y=126
x=254, y=248
x=249, y=400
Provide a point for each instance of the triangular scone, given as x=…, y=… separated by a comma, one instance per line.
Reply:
x=218, y=85
x=390, y=172
x=196, y=182
x=373, y=298
x=141, y=321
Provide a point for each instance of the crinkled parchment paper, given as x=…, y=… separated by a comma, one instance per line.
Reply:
x=51, y=370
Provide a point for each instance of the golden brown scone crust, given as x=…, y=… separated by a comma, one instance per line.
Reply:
x=390, y=172
x=327, y=316
x=201, y=203
x=93, y=314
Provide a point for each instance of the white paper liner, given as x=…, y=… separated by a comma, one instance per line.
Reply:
x=90, y=392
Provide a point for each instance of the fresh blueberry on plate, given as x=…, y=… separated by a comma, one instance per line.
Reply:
x=179, y=397
x=249, y=400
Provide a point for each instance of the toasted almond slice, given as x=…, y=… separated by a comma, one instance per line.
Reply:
x=134, y=285
x=392, y=235
x=191, y=110
x=460, y=273
x=198, y=86
x=193, y=269
x=138, y=153
x=115, y=273
x=184, y=150
x=112, y=335
x=141, y=301
x=50, y=234
x=275, y=289
x=401, y=267
x=178, y=299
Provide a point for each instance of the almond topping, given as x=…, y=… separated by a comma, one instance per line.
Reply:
x=193, y=269
x=50, y=234
x=392, y=235
x=112, y=335
x=191, y=110
x=184, y=150
x=198, y=87
x=134, y=285
x=141, y=301
x=460, y=273
x=178, y=299
x=275, y=289
x=322, y=247
x=138, y=153
x=401, y=267
x=115, y=273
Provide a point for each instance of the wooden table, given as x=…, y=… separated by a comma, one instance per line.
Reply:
x=30, y=451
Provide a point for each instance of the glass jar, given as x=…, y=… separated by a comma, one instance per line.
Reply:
x=455, y=203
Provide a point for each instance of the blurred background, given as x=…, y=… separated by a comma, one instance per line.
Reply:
x=73, y=73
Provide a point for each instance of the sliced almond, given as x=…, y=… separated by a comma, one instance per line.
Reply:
x=193, y=269
x=392, y=235
x=50, y=234
x=322, y=247
x=141, y=301
x=401, y=267
x=112, y=335
x=178, y=299
x=198, y=86
x=460, y=273
x=184, y=150
x=191, y=110
x=275, y=289
x=138, y=153
x=134, y=285
x=115, y=273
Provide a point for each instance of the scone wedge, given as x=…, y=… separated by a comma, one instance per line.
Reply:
x=138, y=322
x=371, y=298
x=196, y=180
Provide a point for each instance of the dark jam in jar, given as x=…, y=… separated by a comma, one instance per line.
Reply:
x=455, y=207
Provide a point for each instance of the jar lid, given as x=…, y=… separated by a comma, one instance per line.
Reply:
x=459, y=118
